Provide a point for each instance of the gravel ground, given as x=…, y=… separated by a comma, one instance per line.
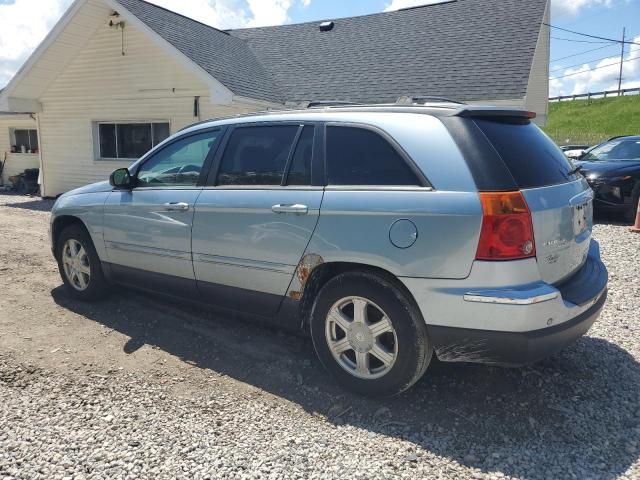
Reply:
x=139, y=387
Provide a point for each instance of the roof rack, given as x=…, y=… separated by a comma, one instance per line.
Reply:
x=331, y=103
x=407, y=100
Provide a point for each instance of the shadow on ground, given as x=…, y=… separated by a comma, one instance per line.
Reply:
x=38, y=204
x=576, y=414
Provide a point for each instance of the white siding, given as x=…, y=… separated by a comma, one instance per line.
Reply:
x=537, y=99
x=15, y=162
x=76, y=28
x=101, y=84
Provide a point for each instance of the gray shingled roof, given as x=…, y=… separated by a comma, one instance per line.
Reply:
x=464, y=49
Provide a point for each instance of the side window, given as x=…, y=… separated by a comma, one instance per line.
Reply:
x=300, y=170
x=257, y=155
x=179, y=164
x=357, y=156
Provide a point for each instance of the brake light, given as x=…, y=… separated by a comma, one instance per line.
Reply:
x=507, y=230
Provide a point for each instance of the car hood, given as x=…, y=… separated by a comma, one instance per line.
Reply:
x=609, y=168
x=93, y=188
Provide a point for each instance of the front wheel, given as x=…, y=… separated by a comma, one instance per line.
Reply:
x=79, y=264
x=369, y=335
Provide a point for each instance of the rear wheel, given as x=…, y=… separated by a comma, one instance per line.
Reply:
x=369, y=335
x=79, y=264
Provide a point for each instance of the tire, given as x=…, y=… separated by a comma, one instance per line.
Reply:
x=630, y=215
x=83, y=286
x=406, y=347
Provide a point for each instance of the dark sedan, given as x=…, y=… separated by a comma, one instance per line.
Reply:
x=613, y=171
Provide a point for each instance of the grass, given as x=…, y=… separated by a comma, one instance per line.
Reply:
x=593, y=121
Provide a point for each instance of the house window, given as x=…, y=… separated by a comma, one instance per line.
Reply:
x=24, y=140
x=129, y=140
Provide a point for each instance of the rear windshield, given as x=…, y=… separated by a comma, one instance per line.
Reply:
x=531, y=157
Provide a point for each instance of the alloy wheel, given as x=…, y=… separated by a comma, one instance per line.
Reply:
x=361, y=337
x=76, y=264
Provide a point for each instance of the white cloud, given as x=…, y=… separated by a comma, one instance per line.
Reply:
x=574, y=7
x=599, y=76
x=398, y=4
x=269, y=12
x=25, y=23
x=234, y=13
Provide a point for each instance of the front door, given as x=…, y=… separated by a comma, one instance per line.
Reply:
x=253, y=224
x=147, y=230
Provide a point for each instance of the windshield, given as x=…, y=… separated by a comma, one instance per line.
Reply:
x=615, y=150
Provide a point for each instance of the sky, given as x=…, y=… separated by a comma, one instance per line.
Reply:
x=578, y=65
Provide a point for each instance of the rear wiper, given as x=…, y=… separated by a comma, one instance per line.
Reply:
x=578, y=169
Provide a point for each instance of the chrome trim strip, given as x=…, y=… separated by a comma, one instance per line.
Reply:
x=377, y=188
x=479, y=298
x=265, y=187
x=159, y=252
x=244, y=263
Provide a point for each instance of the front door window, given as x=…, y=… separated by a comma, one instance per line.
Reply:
x=179, y=164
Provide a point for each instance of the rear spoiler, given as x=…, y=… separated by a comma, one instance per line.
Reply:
x=492, y=112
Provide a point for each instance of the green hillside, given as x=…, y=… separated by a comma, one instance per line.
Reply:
x=592, y=121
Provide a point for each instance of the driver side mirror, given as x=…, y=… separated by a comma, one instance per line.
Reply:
x=121, y=178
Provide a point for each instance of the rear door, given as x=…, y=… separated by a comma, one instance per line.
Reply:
x=560, y=201
x=255, y=218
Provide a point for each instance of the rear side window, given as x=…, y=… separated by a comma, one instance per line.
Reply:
x=257, y=155
x=531, y=157
x=357, y=156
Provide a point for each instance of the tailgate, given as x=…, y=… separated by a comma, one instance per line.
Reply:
x=560, y=201
x=562, y=218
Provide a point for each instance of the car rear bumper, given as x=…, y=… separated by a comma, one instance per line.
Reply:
x=515, y=318
x=511, y=348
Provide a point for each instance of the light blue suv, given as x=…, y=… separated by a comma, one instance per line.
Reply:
x=387, y=232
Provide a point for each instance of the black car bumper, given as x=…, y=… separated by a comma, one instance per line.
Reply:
x=511, y=348
x=612, y=195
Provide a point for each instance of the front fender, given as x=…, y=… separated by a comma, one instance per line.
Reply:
x=87, y=208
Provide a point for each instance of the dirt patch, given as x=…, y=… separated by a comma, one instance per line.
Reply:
x=249, y=398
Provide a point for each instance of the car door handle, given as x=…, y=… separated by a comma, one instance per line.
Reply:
x=297, y=209
x=176, y=206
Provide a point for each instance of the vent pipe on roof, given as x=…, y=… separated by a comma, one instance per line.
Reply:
x=327, y=26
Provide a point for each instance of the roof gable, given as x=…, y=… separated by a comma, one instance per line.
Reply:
x=226, y=58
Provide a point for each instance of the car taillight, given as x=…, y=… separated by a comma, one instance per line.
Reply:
x=507, y=230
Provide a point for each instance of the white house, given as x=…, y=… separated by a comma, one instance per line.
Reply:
x=115, y=77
